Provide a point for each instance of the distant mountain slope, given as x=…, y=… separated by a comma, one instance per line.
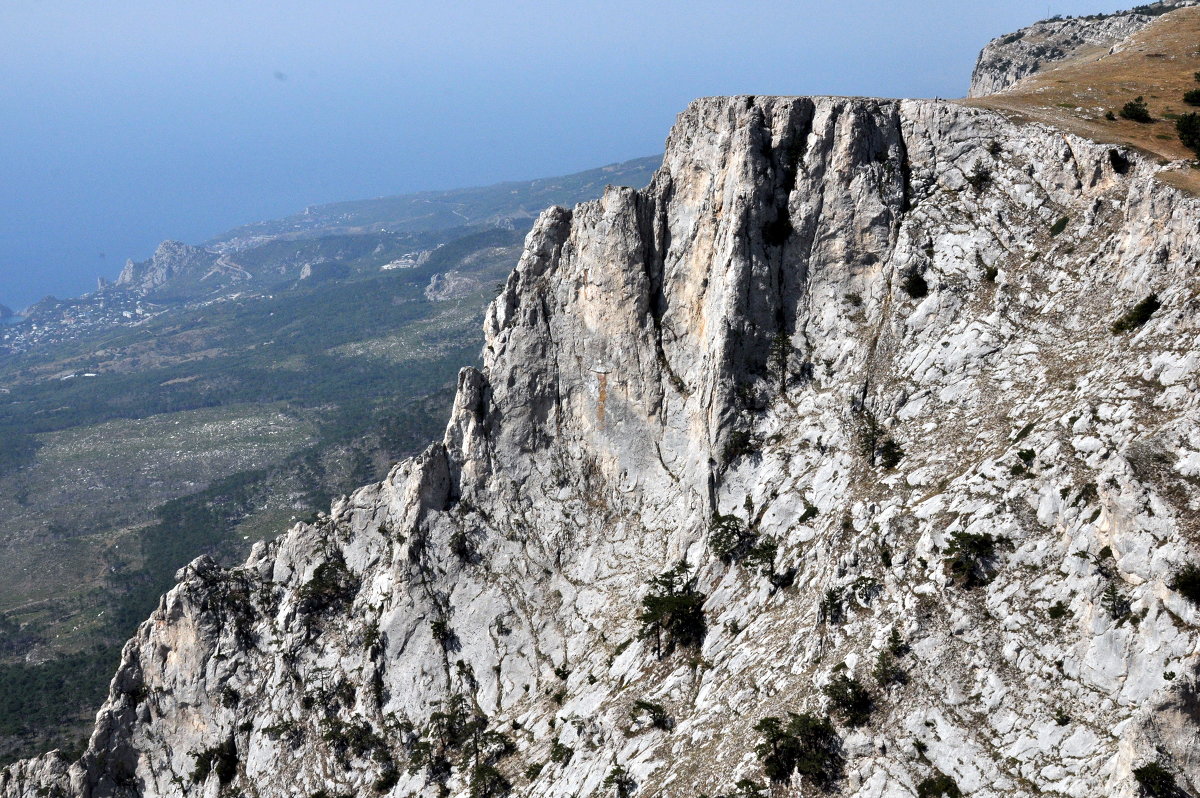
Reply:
x=439, y=210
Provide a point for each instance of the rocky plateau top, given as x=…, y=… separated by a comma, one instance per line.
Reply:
x=1006, y=60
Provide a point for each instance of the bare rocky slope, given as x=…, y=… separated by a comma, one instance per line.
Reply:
x=1006, y=60
x=171, y=260
x=913, y=392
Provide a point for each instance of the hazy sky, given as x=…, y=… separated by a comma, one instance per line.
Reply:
x=126, y=122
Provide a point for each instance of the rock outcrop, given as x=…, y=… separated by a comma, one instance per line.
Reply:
x=171, y=260
x=889, y=408
x=453, y=284
x=1007, y=59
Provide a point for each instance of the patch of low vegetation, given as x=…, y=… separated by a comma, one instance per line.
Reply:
x=1136, y=316
x=1186, y=582
x=1026, y=458
x=1058, y=227
x=850, y=700
x=939, y=786
x=488, y=782
x=1157, y=782
x=1136, y=111
x=459, y=732
x=1192, y=97
x=980, y=177
x=350, y=738
x=890, y=453
x=463, y=546
x=620, y=783
x=220, y=759
x=1116, y=603
x=653, y=712
x=832, y=609
x=971, y=558
x=876, y=444
x=1188, y=128
x=386, y=780
x=738, y=443
x=443, y=633
x=560, y=754
x=331, y=587
x=744, y=788
x=914, y=283
x=887, y=670
x=729, y=538
x=803, y=743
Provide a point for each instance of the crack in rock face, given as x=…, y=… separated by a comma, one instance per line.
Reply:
x=827, y=441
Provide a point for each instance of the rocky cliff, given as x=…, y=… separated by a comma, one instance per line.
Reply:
x=875, y=418
x=1005, y=60
x=172, y=260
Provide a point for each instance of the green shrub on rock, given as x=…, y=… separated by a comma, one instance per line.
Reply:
x=971, y=558
x=220, y=759
x=804, y=744
x=939, y=786
x=729, y=538
x=655, y=713
x=1186, y=582
x=331, y=587
x=1137, y=315
x=488, y=782
x=1157, y=782
x=620, y=782
x=850, y=699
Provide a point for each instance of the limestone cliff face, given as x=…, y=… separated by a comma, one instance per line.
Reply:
x=1007, y=59
x=874, y=339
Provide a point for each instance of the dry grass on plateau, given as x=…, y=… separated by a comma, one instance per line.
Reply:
x=1159, y=63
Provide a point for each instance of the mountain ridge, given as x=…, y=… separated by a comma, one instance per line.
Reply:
x=1008, y=59
x=437, y=209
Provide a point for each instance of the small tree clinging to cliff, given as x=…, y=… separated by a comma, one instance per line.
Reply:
x=971, y=558
x=673, y=610
x=804, y=744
